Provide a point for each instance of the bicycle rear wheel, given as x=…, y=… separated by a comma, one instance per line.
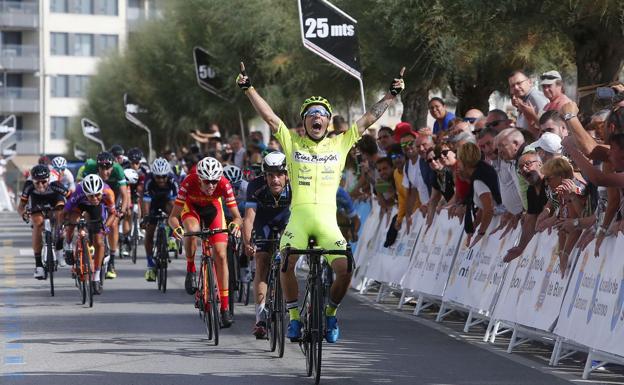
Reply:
x=135, y=237
x=213, y=300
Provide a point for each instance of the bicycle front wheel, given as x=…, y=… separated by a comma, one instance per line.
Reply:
x=271, y=321
x=49, y=262
x=316, y=341
x=279, y=309
x=213, y=313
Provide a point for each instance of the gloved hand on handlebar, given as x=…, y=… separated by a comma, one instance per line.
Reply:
x=178, y=232
x=234, y=229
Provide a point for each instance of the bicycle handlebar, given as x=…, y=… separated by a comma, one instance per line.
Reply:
x=205, y=233
x=348, y=253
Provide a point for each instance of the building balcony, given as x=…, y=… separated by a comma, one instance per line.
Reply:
x=19, y=14
x=19, y=57
x=27, y=141
x=19, y=100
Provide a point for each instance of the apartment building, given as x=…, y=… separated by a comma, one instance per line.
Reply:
x=49, y=49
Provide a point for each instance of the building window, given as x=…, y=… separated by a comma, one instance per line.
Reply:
x=78, y=86
x=105, y=44
x=105, y=7
x=83, y=44
x=59, y=125
x=59, y=87
x=58, y=43
x=84, y=7
x=58, y=6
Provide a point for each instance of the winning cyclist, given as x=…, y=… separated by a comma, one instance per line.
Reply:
x=198, y=203
x=97, y=200
x=268, y=201
x=315, y=164
x=112, y=173
x=39, y=192
x=161, y=190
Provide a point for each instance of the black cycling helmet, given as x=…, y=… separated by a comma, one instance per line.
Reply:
x=105, y=158
x=39, y=172
x=135, y=154
x=117, y=150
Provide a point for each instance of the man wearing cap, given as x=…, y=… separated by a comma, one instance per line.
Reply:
x=547, y=146
x=552, y=85
x=529, y=101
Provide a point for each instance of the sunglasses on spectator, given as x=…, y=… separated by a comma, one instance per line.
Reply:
x=395, y=156
x=548, y=77
x=470, y=120
x=493, y=123
x=213, y=182
x=406, y=144
x=41, y=181
x=444, y=153
x=317, y=110
x=430, y=160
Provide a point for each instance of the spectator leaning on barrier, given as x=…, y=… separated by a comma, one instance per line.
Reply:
x=552, y=85
x=510, y=146
x=443, y=187
x=397, y=156
x=529, y=101
x=487, y=145
x=529, y=167
x=418, y=175
x=484, y=194
x=442, y=117
x=385, y=192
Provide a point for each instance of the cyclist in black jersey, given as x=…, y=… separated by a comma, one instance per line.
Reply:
x=267, y=206
x=136, y=175
x=161, y=190
x=38, y=193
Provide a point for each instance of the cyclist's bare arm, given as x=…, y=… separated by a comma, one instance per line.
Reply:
x=260, y=105
x=377, y=110
x=174, y=222
x=250, y=216
x=236, y=216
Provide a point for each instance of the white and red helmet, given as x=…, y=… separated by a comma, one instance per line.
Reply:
x=209, y=169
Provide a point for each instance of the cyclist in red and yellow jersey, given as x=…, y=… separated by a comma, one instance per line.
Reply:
x=198, y=203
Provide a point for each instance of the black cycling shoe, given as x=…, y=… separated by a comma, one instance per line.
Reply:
x=226, y=319
x=189, y=283
x=97, y=287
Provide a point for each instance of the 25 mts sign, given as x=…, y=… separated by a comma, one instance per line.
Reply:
x=330, y=33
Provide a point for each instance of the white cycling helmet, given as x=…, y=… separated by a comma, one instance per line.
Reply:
x=274, y=162
x=59, y=163
x=132, y=176
x=92, y=184
x=233, y=174
x=161, y=167
x=209, y=169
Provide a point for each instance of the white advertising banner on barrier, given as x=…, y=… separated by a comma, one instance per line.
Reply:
x=416, y=269
x=477, y=273
x=533, y=289
x=592, y=312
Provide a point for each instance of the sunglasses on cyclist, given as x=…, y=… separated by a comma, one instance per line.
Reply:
x=94, y=196
x=41, y=181
x=317, y=110
x=213, y=182
x=160, y=176
x=105, y=166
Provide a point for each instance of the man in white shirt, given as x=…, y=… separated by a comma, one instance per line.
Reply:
x=418, y=175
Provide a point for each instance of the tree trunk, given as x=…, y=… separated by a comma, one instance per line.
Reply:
x=415, y=106
x=599, y=58
x=473, y=96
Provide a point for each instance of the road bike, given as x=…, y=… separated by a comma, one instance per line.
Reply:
x=312, y=309
x=207, y=294
x=233, y=255
x=83, y=259
x=48, y=257
x=161, y=252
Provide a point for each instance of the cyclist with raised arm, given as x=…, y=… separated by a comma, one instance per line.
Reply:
x=113, y=174
x=267, y=207
x=38, y=193
x=198, y=205
x=315, y=164
x=97, y=200
x=59, y=164
x=161, y=189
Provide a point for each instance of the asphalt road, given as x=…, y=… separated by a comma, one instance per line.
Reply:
x=137, y=335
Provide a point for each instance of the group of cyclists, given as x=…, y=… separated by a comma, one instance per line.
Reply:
x=296, y=193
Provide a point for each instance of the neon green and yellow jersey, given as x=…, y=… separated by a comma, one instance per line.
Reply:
x=315, y=168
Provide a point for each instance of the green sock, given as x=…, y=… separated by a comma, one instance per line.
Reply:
x=294, y=314
x=330, y=310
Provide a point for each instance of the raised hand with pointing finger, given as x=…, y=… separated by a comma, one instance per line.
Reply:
x=242, y=79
